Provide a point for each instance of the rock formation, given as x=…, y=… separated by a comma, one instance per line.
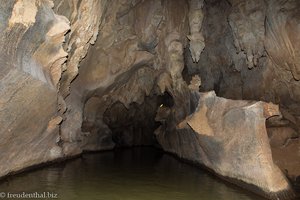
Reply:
x=94, y=75
x=232, y=141
x=32, y=56
x=196, y=38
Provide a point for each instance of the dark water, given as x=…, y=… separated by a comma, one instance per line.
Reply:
x=130, y=174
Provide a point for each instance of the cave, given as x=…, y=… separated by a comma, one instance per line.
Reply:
x=214, y=84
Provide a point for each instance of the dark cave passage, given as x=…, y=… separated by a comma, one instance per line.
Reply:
x=135, y=125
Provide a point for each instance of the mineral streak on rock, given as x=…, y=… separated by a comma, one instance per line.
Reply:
x=282, y=38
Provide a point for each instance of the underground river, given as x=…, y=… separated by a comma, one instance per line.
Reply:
x=141, y=173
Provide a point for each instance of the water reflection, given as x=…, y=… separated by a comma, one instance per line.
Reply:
x=130, y=174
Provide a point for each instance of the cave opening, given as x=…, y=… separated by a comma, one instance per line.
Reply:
x=133, y=125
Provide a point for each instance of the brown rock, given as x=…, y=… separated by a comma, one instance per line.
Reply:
x=230, y=138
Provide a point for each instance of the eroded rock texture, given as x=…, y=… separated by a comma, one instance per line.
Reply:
x=31, y=57
x=93, y=75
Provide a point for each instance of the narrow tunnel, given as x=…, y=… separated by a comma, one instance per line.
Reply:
x=170, y=96
x=135, y=126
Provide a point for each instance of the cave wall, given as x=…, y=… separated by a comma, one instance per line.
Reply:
x=31, y=57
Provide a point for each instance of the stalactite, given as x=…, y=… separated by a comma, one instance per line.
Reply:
x=196, y=38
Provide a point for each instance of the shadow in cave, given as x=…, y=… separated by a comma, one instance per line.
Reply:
x=135, y=125
x=284, y=140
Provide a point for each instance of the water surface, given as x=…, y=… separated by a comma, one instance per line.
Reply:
x=128, y=174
